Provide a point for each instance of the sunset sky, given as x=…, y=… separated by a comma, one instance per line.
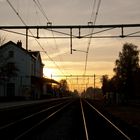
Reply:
x=102, y=52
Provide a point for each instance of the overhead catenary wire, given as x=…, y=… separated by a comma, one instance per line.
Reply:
x=37, y=40
x=92, y=13
x=94, y=22
x=16, y=12
x=92, y=16
x=33, y=35
x=39, y=6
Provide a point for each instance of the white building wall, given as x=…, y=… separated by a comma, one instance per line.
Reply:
x=38, y=66
x=22, y=61
x=27, y=66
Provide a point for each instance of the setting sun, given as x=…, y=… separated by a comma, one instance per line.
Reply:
x=48, y=72
x=51, y=73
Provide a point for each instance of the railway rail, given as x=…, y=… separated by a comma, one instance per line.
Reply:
x=18, y=126
x=98, y=126
x=67, y=119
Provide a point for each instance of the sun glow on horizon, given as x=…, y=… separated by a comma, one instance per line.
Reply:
x=51, y=73
x=47, y=72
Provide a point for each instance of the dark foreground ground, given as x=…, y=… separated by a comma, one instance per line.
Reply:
x=129, y=114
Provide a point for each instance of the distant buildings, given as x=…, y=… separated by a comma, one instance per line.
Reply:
x=21, y=72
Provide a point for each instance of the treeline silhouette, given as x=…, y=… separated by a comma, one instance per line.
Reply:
x=124, y=85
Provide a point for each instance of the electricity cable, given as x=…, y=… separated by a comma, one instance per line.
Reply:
x=16, y=12
x=89, y=42
x=33, y=35
x=38, y=4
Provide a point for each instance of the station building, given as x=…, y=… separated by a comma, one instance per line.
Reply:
x=21, y=72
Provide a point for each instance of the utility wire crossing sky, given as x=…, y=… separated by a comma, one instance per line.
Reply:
x=92, y=55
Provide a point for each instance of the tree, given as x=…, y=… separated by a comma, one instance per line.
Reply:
x=126, y=66
x=64, y=87
x=105, y=82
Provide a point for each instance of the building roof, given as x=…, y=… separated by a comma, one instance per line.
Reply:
x=44, y=80
x=12, y=43
x=34, y=54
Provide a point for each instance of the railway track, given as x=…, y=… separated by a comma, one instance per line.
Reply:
x=98, y=126
x=33, y=118
x=70, y=119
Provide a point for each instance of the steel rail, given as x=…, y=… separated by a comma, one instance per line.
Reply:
x=40, y=122
x=84, y=120
x=27, y=117
x=127, y=137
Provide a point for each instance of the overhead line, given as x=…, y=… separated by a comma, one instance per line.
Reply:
x=38, y=4
x=33, y=35
x=94, y=4
x=85, y=36
x=87, y=54
x=16, y=12
x=98, y=32
x=61, y=32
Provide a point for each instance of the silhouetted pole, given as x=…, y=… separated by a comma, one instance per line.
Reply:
x=26, y=38
x=94, y=87
x=71, y=40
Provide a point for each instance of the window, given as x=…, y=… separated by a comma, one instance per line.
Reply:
x=11, y=54
x=10, y=65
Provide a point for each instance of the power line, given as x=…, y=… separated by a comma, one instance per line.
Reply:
x=33, y=35
x=18, y=15
x=16, y=12
x=92, y=14
x=89, y=42
x=38, y=4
